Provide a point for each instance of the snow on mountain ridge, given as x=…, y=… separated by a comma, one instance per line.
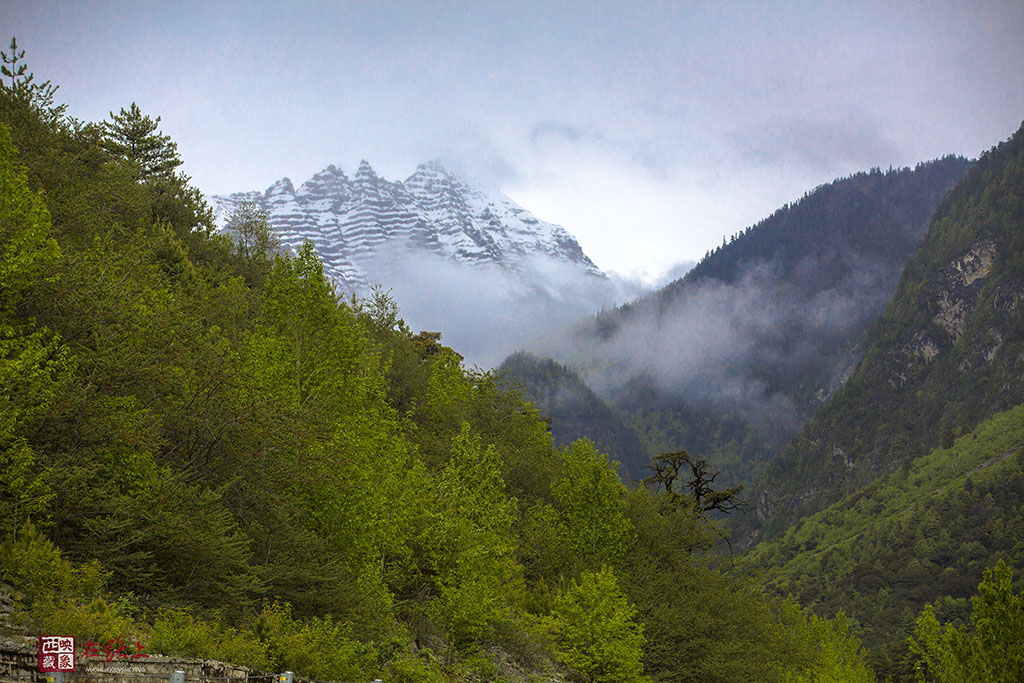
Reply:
x=354, y=221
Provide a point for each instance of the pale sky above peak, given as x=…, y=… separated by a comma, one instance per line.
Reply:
x=647, y=129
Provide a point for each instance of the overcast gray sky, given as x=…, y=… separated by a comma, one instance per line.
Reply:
x=648, y=130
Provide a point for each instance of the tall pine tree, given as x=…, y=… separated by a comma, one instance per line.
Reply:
x=135, y=137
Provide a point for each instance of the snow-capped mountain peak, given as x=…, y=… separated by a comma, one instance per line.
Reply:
x=355, y=221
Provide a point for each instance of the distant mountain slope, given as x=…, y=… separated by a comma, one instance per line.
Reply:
x=731, y=360
x=922, y=534
x=875, y=216
x=575, y=410
x=947, y=353
x=356, y=223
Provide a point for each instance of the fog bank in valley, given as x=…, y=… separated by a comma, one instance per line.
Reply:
x=749, y=345
x=485, y=312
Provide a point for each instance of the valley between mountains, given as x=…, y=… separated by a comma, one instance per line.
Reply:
x=848, y=336
x=801, y=461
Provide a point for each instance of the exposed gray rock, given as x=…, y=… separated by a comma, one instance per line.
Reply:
x=356, y=222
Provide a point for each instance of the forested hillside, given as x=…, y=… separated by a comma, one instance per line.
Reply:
x=209, y=451
x=946, y=354
x=573, y=409
x=922, y=534
x=734, y=358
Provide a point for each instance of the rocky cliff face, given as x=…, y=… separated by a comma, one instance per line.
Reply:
x=358, y=222
x=950, y=297
x=947, y=353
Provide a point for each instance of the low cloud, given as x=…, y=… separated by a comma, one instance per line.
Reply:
x=722, y=345
x=727, y=345
x=650, y=155
x=822, y=146
x=486, y=312
x=564, y=130
x=672, y=273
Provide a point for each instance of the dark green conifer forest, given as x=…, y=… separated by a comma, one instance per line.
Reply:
x=944, y=356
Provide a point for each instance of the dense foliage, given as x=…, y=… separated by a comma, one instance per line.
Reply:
x=991, y=650
x=574, y=410
x=947, y=353
x=206, y=449
x=922, y=534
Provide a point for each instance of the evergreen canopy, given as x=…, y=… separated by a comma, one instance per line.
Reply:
x=135, y=137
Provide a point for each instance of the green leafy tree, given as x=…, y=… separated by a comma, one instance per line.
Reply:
x=589, y=499
x=471, y=540
x=135, y=137
x=328, y=445
x=31, y=358
x=992, y=650
x=28, y=250
x=701, y=626
x=446, y=404
x=828, y=652
x=595, y=631
x=303, y=353
x=256, y=242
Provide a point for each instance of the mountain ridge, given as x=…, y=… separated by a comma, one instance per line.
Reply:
x=732, y=359
x=572, y=408
x=359, y=224
x=946, y=353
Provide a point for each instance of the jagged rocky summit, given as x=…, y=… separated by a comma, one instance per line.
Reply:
x=355, y=222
